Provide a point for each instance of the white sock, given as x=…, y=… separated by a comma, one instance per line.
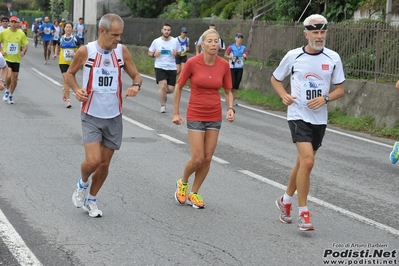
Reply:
x=91, y=197
x=7, y=90
x=83, y=184
x=286, y=198
x=303, y=209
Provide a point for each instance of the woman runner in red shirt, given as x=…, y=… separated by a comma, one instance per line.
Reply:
x=207, y=73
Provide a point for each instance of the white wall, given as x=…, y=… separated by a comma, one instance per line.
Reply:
x=90, y=17
x=359, y=14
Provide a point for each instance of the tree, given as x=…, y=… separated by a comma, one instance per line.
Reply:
x=43, y=4
x=56, y=9
x=147, y=8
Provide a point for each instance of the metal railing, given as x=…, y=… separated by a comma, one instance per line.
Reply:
x=368, y=51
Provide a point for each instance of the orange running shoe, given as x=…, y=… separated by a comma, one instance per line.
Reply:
x=196, y=201
x=181, y=192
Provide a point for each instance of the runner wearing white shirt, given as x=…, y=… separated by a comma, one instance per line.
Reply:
x=164, y=49
x=198, y=48
x=57, y=34
x=312, y=69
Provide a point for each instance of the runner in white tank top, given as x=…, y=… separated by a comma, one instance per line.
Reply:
x=101, y=97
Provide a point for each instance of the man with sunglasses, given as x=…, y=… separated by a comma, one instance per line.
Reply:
x=4, y=23
x=12, y=40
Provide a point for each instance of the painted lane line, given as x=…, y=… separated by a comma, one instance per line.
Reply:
x=16, y=244
x=219, y=160
x=171, y=138
x=328, y=129
x=136, y=123
x=255, y=110
x=327, y=205
x=47, y=77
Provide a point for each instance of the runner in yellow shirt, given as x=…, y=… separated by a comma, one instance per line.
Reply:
x=12, y=39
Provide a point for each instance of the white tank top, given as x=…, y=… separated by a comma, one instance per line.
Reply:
x=103, y=82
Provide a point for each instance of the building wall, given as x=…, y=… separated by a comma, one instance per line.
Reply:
x=89, y=7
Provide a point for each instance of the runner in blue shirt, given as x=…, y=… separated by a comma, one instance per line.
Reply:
x=47, y=30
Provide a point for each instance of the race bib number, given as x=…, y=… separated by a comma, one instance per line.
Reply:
x=183, y=49
x=12, y=48
x=105, y=80
x=46, y=31
x=23, y=27
x=311, y=89
x=239, y=62
x=68, y=53
x=80, y=34
x=166, y=52
x=56, y=37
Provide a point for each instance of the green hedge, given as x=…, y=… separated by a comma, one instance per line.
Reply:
x=31, y=13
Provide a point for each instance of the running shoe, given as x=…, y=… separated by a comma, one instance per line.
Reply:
x=90, y=205
x=68, y=103
x=235, y=102
x=78, y=197
x=163, y=109
x=196, y=201
x=394, y=155
x=285, y=210
x=304, y=222
x=5, y=97
x=10, y=100
x=181, y=192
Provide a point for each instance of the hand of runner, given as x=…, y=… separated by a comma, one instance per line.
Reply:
x=81, y=95
x=132, y=91
x=230, y=115
x=177, y=119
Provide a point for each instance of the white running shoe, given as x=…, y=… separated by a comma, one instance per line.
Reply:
x=5, y=97
x=10, y=100
x=91, y=207
x=68, y=103
x=79, y=195
x=163, y=109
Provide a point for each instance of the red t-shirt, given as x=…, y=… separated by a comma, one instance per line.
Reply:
x=205, y=81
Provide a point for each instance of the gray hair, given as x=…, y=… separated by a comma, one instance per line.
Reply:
x=314, y=18
x=207, y=32
x=107, y=19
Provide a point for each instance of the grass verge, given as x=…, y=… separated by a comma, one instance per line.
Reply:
x=336, y=117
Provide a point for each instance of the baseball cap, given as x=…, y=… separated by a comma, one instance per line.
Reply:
x=239, y=35
x=14, y=18
x=184, y=29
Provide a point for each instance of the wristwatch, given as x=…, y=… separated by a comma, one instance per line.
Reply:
x=136, y=84
x=326, y=98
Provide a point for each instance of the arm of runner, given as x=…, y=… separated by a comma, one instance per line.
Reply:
x=131, y=70
x=4, y=71
x=56, y=50
x=177, y=119
x=77, y=63
x=279, y=88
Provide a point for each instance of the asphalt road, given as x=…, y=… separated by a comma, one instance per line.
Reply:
x=353, y=193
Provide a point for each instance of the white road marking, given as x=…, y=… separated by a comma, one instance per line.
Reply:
x=328, y=129
x=171, y=138
x=246, y=172
x=219, y=160
x=326, y=204
x=16, y=244
x=136, y=123
x=47, y=77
